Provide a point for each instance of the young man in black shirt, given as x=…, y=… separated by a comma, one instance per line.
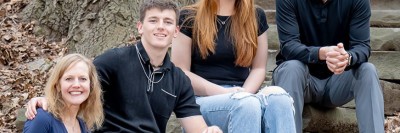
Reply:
x=141, y=86
x=323, y=58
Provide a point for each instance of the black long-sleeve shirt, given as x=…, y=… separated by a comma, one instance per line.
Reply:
x=304, y=26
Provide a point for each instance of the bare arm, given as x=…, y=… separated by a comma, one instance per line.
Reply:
x=258, y=68
x=196, y=124
x=181, y=56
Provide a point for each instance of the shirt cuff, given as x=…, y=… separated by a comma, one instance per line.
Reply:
x=313, y=56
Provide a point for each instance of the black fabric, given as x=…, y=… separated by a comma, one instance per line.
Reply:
x=219, y=68
x=306, y=25
x=128, y=105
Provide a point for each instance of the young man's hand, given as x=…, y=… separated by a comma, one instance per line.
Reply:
x=33, y=104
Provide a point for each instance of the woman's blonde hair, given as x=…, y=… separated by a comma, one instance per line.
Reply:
x=243, y=29
x=91, y=110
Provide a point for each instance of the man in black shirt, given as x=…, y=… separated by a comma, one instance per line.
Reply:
x=323, y=58
x=141, y=85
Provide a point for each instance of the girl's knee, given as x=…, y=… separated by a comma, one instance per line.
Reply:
x=268, y=90
x=276, y=98
x=250, y=105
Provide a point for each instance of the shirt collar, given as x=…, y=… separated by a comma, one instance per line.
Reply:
x=167, y=65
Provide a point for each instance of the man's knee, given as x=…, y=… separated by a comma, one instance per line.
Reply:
x=293, y=65
x=291, y=68
x=367, y=68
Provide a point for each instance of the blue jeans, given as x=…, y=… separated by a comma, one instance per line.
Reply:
x=270, y=110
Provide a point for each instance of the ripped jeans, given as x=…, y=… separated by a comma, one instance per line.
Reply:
x=269, y=111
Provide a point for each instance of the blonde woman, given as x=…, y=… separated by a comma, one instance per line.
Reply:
x=222, y=48
x=73, y=96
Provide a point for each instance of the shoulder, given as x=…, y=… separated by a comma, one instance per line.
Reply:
x=260, y=14
x=113, y=55
x=42, y=122
x=186, y=19
x=360, y=3
x=117, y=51
x=259, y=10
x=43, y=115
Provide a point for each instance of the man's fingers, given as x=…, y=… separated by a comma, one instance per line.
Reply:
x=30, y=114
x=340, y=45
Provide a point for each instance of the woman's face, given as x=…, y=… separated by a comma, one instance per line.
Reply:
x=75, y=84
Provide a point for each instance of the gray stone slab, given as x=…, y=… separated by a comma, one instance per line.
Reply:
x=385, y=4
x=273, y=40
x=266, y=4
x=382, y=39
x=391, y=95
x=387, y=64
x=385, y=18
x=385, y=39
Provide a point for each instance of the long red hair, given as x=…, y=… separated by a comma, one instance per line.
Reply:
x=243, y=29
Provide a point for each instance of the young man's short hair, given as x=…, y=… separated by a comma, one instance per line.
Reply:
x=159, y=4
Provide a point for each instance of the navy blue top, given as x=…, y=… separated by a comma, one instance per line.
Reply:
x=220, y=67
x=45, y=122
x=306, y=25
x=131, y=103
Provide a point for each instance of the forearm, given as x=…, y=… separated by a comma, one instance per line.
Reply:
x=254, y=80
x=202, y=87
x=193, y=124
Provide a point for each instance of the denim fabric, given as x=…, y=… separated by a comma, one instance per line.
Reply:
x=243, y=112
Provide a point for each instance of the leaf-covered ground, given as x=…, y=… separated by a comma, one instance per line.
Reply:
x=22, y=79
x=19, y=47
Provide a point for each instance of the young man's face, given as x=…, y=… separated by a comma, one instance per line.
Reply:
x=158, y=28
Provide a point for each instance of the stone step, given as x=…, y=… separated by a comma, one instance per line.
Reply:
x=336, y=120
x=379, y=18
x=375, y=4
x=382, y=39
x=386, y=62
x=385, y=18
x=385, y=4
x=266, y=4
x=385, y=39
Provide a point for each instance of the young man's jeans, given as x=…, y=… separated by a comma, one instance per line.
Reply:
x=243, y=112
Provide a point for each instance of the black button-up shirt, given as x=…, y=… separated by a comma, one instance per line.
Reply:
x=306, y=25
x=131, y=102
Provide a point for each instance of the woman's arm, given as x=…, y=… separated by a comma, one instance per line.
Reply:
x=181, y=54
x=258, y=67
